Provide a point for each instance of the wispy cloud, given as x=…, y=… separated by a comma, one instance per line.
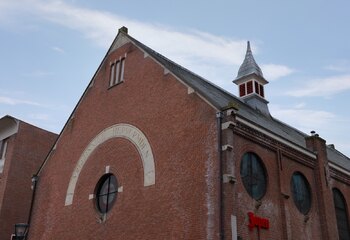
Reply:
x=58, y=49
x=303, y=118
x=323, y=87
x=37, y=73
x=273, y=71
x=39, y=116
x=14, y=101
x=191, y=48
x=340, y=66
x=101, y=27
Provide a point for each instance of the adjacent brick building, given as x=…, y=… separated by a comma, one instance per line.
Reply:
x=154, y=151
x=23, y=148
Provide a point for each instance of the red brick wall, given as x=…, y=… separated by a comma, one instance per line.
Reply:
x=270, y=205
x=183, y=203
x=286, y=222
x=181, y=129
x=25, y=152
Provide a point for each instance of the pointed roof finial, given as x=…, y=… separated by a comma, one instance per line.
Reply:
x=249, y=65
x=248, y=46
x=123, y=29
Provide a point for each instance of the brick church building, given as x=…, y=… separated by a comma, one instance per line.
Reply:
x=154, y=151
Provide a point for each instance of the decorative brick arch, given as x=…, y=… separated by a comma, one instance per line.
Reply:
x=126, y=131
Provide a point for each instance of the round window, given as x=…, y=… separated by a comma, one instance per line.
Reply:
x=253, y=175
x=301, y=192
x=106, y=192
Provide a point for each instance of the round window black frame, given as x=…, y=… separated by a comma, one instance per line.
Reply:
x=253, y=175
x=106, y=193
x=301, y=192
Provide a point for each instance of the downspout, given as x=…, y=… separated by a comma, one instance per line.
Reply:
x=35, y=179
x=219, y=116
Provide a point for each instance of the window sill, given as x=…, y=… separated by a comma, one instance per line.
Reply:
x=115, y=85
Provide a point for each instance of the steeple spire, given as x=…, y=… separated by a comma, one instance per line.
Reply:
x=251, y=81
x=249, y=65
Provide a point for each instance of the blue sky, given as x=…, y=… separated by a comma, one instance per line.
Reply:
x=50, y=50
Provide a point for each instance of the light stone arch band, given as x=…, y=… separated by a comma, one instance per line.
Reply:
x=126, y=131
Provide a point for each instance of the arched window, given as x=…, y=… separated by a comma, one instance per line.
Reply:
x=301, y=192
x=106, y=193
x=253, y=175
x=341, y=214
x=117, y=72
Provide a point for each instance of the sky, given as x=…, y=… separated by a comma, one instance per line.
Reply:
x=51, y=49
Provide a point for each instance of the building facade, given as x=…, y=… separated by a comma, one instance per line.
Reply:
x=154, y=151
x=23, y=148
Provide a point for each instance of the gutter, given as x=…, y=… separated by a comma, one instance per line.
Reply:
x=219, y=116
x=35, y=179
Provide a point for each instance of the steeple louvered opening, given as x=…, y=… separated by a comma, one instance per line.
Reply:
x=250, y=87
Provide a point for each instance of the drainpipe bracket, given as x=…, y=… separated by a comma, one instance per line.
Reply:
x=228, y=178
x=226, y=147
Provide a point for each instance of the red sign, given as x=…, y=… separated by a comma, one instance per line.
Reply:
x=259, y=222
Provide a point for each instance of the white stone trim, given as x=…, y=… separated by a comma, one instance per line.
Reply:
x=91, y=196
x=181, y=81
x=190, y=90
x=166, y=71
x=126, y=131
x=230, y=112
x=120, y=189
x=107, y=169
x=276, y=137
x=227, y=125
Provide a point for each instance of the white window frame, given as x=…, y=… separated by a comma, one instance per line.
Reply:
x=3, y=147
x=116, y=74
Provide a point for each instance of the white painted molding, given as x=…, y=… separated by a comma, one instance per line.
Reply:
x=120, y=189
x=91, y=196
x=145, y=54
x=107, y=169
x=234, y=227
x=128, y=132
x=8, y=127
x=340, y=169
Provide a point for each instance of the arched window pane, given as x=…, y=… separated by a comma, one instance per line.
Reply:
x=341, y=215
x=301, y=192
x=112, y=75
x=253, y=175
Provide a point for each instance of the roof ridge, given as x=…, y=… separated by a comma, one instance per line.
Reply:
x=337, y=152
x=183, y=68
